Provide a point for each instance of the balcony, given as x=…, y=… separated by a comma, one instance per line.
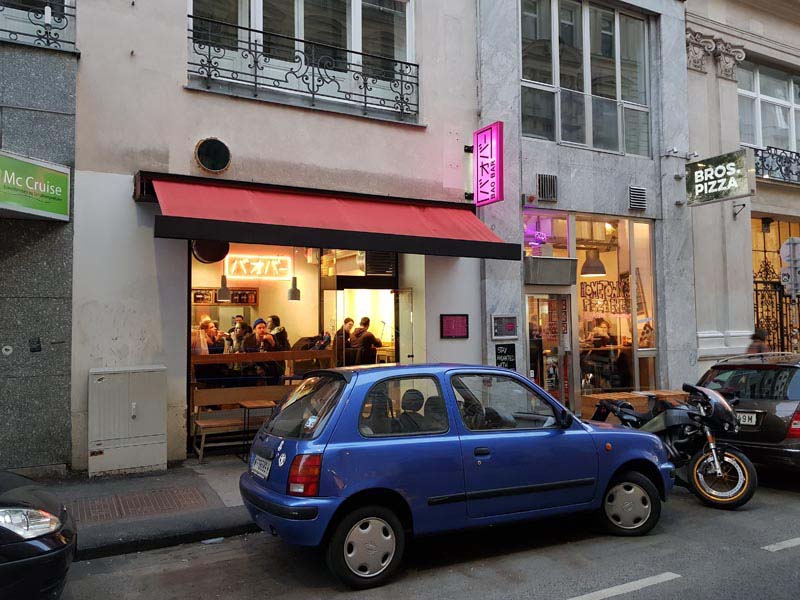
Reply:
x=778, y=164
x=44, y=23
x=251, y=63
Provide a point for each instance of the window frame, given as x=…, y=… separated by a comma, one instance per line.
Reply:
x=403, y=434
x=532, y=388
x=555, y=88
x=792, y=105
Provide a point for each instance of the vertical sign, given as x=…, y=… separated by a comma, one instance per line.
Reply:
x=487, y=148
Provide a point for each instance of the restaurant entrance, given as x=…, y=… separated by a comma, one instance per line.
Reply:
x=549, y=340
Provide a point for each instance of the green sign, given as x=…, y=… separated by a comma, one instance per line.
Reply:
x=33, y=188
x=718, y=178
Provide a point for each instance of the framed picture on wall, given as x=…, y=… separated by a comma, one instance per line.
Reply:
x=453, y=327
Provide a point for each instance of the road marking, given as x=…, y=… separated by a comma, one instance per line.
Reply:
x=628, y=587
x=782, y=545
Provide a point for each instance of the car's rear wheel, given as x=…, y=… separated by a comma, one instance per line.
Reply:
x=631, y=505
x=366, y=547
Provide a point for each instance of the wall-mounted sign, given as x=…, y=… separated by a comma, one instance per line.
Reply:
x=504, y=327
x=487, y=152
x=33, y=188
x=257, y=267
x=453, y=326
x=505, y=355
x=723, y=177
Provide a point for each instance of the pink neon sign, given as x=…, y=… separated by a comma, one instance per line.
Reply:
x=487, y=148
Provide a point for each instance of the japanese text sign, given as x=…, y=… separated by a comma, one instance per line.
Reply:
x=488, y=164
x=268, y=268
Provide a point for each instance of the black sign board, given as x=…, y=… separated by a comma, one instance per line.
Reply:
x=505, y=355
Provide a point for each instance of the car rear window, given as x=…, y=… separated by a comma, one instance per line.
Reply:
x=306, y=410
x=754, y=383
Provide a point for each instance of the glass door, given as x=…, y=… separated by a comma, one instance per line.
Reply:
x=404, y=327
x=549, y=344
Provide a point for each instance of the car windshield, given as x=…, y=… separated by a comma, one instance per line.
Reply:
x=753, y=383
x=306, y=410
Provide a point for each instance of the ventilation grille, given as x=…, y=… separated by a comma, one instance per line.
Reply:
x=637, y=198
x=548, y=187
x=380, y=263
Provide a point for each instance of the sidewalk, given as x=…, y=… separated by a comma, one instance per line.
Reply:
x=118, y=515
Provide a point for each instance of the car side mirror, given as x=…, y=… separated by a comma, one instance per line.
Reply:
x=566, y=418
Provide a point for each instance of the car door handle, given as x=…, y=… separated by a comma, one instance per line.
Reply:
x=482, y=451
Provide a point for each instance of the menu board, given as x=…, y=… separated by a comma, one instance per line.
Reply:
x=454, y=326
x=505, y=355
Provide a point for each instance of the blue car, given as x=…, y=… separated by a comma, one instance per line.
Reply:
x=358, y=459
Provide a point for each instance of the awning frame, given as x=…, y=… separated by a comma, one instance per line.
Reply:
x=172, y=227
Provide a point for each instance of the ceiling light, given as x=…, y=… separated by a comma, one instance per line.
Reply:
x=593, y=266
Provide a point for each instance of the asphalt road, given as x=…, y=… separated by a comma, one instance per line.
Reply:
x=694, y=552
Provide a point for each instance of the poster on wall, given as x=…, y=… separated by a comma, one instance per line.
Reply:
x=453, y=327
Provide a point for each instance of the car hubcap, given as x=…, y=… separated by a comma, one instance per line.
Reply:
x=725, y=487
x=627, y=505
x=369, y=547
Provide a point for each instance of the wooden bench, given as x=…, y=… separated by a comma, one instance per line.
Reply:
x=205, y=401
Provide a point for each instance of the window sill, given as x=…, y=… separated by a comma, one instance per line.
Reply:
x=297, y=100
x=71, y=50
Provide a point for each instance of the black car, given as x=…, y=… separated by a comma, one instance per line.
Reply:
x=37, y=540
x=765, y=392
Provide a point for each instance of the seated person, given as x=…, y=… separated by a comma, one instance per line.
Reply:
x=601, y=334
x=410, y=419
x=365, y=341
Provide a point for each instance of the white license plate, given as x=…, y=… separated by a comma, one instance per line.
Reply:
x=261, y=467
x=746, y=418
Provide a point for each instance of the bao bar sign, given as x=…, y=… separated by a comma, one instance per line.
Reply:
x=33, y=188
x=487, y=151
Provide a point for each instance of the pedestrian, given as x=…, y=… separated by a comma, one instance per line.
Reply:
x=759, y=344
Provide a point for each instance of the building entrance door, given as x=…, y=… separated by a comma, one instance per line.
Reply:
x=549, y=344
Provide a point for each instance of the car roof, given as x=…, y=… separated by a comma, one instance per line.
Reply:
x=772, y=359
x=435, y=368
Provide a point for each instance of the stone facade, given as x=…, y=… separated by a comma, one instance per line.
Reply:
x=37, y=119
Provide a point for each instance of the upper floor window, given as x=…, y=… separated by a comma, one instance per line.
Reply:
x=769, y=107
x=588, y=84
x=338, y=51
x=43, y=23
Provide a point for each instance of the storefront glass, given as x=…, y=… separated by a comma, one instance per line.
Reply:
x=546, y=234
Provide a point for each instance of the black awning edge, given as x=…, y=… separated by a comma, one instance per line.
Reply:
x=186, y=228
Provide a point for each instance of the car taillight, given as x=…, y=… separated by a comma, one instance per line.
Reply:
x=304, y=475
x=794, y=425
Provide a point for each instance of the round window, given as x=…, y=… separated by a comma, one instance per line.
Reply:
x=212, y=155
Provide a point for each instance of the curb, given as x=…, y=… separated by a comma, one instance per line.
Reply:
x=114, y=539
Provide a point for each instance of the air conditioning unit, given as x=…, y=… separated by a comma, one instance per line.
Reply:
x=127, y=419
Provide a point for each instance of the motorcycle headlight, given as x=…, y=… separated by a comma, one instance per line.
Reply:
x=28, y=523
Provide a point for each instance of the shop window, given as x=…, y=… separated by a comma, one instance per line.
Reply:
x=594, y=105
x=643, y=269
x=545, y=234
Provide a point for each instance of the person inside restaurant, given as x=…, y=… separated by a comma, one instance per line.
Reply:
x=365, y=343
x=341, y=342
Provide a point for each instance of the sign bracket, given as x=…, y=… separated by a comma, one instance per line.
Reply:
x=737, y=208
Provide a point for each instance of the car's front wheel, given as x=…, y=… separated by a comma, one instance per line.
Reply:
x=366, y=547
x=631, y=505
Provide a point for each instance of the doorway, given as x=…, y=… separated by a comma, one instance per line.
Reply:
x=549, y=344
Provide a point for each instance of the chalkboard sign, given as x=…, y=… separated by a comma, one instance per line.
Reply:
x=505, y=355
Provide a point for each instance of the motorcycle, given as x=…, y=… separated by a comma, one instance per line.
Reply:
x=717, y=473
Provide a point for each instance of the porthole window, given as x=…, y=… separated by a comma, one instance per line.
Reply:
x=212, y=155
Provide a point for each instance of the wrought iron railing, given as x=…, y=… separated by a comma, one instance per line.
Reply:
x=264, y=63
x=777, y=163
x=45, y=23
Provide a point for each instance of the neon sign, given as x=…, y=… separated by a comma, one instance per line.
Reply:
x=537, y=238
x=264, y=268
x=487, y=149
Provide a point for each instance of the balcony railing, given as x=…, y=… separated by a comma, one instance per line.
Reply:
x=45, y=23
x=293, y=70
x=779, y=164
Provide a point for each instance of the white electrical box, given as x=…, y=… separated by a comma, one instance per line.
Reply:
x=127, y=419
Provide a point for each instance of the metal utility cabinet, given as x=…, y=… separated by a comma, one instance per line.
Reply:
x=127, y=419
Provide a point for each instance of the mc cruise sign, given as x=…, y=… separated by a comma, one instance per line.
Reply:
x=723, y=177
x=33, y=188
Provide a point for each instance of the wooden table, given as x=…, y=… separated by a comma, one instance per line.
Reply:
x=249, y=405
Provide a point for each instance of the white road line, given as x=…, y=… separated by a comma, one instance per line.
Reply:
x=628, y=587
x=782, y=545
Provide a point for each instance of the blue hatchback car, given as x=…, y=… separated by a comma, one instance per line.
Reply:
x=357, y=460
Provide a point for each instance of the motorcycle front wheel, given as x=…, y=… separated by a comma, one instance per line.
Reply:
x=733, y=489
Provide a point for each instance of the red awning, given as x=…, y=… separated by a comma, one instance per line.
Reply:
x=288, y=218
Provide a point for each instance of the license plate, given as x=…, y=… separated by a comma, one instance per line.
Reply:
x=261, y=467
x=746, y=418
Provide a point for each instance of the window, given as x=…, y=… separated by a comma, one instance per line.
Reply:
x=769, y=107
x=754, y=384
x=500, y=402
x=210, y=26
x=598, y=94
x=403, y=406
x=306, y=410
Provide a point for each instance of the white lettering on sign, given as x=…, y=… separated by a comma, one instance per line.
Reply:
x=30, y=183
x=721, y=178
x=269, y=268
